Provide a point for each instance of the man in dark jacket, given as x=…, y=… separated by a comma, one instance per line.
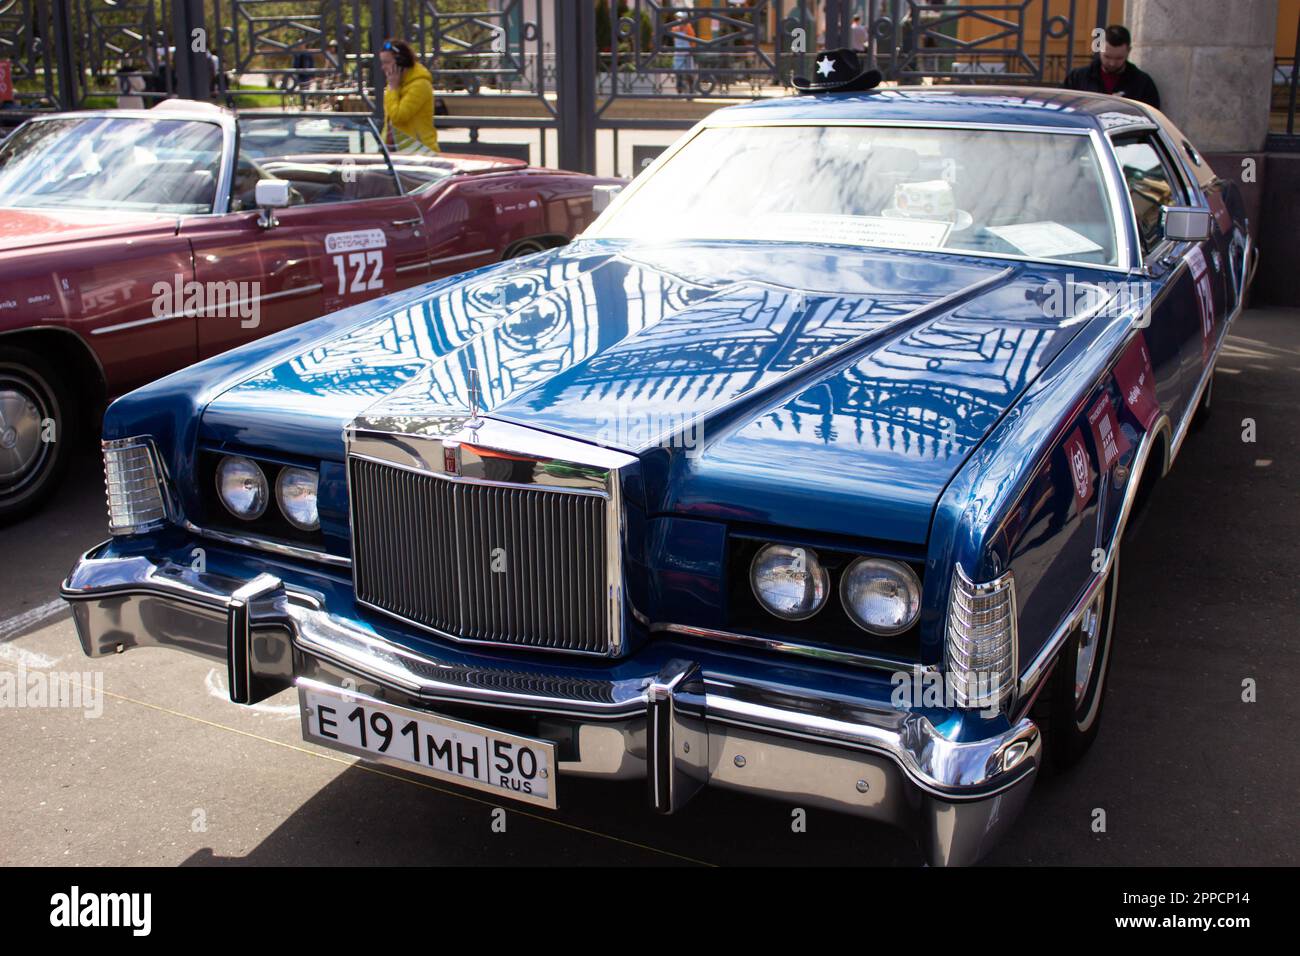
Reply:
x=1111, y=72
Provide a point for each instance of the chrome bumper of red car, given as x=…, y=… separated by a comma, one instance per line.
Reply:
x=680, y=728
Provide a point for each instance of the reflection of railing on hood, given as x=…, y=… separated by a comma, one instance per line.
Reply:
x=628, y=332
x=734, y=342
x=890, y=400
x=993, y=358
x=397, y=346
x=713, y=349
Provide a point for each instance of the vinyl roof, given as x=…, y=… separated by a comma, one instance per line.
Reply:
x=996, y=105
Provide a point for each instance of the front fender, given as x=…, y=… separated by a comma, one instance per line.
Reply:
x=170, y=409
x=1042, y=498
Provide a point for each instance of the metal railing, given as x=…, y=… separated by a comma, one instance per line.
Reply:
x=913, y=40
x=1285, y=82
x=566, y=71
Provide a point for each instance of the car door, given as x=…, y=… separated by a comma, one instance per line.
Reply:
x=369, y=247
x=348, y=234
x=1226, y=245
x=367, y=237
x=460, y=220
x=501, y=209
x=1176, y=270
x=126, y=293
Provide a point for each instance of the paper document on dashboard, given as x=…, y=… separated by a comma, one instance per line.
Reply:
x=1045, y=240
x=857, y=230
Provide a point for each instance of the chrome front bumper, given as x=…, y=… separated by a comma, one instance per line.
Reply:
x=679, y=727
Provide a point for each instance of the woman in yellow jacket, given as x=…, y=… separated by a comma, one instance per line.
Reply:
x=408, y=99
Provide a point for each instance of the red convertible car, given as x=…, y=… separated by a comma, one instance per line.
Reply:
x=134, y=243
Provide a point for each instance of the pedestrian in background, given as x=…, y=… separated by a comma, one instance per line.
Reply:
x=683, y=42
x=304, y=63
x=408, y=100
x=858, y=34
x=1112, y=72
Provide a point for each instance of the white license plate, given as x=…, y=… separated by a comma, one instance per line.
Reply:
x=520, y=768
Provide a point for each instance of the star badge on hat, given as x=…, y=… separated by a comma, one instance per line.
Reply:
x=838, y=71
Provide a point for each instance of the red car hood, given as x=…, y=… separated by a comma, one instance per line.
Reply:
x=24, y=228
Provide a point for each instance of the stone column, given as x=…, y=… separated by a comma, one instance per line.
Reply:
x=1213, y=63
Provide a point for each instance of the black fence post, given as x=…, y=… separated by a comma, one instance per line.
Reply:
x=1295, y=75
x=1103, y=17
x=839, y=21
x=383, y=24
x=575, y=54
x=193, y=66
x=887, y=37
x=61, y=34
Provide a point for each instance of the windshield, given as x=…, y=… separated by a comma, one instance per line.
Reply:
x=325, y=159
x=1030, y=195
x=303, y=147
x=107, y=162
x=268, y=135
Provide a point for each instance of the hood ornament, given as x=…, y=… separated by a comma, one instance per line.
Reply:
x=475, y=400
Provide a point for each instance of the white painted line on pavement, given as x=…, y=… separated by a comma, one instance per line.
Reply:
x=31, y=617
x=25, y=658
x=216, y=685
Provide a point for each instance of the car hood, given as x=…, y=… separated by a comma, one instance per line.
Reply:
x=825, y=388
x=23, y=229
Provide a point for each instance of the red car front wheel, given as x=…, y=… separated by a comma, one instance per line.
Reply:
x=37, y=424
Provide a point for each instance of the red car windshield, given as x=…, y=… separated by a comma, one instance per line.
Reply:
x=107, y=162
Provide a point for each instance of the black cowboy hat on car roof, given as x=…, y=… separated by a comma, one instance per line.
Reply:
x=838, y=71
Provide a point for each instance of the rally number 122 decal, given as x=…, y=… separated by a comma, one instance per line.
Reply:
x=355, y=267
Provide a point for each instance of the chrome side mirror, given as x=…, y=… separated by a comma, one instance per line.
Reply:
x=271, y=194
x=1185, y=223
x=602, y=196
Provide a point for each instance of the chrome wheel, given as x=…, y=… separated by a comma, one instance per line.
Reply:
x=33, y=455
x=1086, y=653
x=1071, y=709
x=22, y=452
x=1085, y=682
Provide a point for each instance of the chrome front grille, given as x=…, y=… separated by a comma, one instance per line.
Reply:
x=493, y=562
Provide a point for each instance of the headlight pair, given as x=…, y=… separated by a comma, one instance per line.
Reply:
x=244, y=490
x=880, y=596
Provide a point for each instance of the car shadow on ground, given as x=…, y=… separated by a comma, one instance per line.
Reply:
x=381, y=816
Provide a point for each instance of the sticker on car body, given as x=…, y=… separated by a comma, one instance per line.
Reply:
x=1137, y=382
x=1204, y=300
x=1106, y=434
x=1076, y=459
x=356, y=266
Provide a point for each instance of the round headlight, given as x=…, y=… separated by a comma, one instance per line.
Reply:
x=789, y=582
x=242, y=487
x=883, y=597
x=295, y=489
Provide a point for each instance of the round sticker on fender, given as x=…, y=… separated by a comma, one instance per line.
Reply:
x=1076, y=459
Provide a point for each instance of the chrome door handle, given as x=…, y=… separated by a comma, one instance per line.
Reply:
x=407, y=222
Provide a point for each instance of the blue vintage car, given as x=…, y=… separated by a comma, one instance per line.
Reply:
x=803, y=472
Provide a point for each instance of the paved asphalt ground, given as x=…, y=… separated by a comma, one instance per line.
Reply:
x=1186, y=772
